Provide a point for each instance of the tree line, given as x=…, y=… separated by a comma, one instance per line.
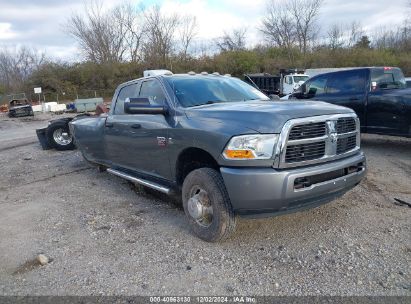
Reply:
x=119, y=44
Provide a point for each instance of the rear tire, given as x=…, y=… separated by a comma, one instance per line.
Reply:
x=207, y=205
x=59, y=137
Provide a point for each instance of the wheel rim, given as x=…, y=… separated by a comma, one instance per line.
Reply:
x=199, y=206
x=62, y=137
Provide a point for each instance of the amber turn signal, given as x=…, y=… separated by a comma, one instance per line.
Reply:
x=239, y=154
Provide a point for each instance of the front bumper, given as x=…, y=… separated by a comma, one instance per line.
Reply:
x=260, y=192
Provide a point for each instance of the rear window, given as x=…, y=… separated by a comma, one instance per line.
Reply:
x=387, y=78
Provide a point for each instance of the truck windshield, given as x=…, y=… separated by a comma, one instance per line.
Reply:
x=297, y=79
x=194, y=91
x=387, y=78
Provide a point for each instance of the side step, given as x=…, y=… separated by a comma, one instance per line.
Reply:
x=140, y=181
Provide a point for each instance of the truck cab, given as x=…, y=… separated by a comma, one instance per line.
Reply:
x=292, y=82
x=287, y=82
x=378, y=95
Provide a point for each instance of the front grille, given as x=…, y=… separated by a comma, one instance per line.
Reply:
x=307, y=131
x=345, y=125
x=304, y=152
x=317, y=139
x=346, y=144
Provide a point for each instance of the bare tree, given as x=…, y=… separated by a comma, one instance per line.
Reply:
x=396, y=40
x=305, y=13
x=290, y=24
x=131, y=18
x=278, y=27
x=335, y=36
x=355, y=33
x=100, y=34
x=232, y=41
x=187, y=32
x=16, y=65
x=160, y=33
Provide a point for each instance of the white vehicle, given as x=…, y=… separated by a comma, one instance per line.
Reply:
x=149, y=73
x=284, y=84
x=292, y=82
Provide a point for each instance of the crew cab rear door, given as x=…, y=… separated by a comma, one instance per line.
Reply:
x=139, y=142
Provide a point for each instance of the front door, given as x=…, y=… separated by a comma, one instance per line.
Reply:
x=139, y=142
x=348, y=89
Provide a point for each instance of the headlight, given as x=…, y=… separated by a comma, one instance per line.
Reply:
x=256, y=146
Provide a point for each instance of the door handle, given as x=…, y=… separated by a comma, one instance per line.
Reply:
x=354, y=99
x=109, y=125
x=136, y=126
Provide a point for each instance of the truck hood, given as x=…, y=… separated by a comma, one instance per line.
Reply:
x=262, y=116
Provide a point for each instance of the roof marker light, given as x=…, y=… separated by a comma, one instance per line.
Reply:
x=191, y=73
x=204, y=73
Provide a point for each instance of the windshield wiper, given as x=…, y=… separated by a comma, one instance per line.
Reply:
x=206, y=103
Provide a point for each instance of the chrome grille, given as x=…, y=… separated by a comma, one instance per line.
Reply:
x=311, y=140
x=345, y=125
x=346, y=144
x=307, y=131
x=303, y=152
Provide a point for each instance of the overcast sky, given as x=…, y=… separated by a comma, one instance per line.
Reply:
x=39, y=23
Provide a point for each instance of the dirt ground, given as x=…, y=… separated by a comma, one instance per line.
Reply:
x=106, y=237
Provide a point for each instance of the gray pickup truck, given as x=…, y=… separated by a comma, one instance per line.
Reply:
x=224, y=148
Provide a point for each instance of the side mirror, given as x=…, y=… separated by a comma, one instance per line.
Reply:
x=142, y=106
x=303, y=88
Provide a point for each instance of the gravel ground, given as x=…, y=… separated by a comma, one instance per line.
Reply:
x=106, y=237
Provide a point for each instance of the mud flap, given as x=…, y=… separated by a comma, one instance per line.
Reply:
x=41, y=135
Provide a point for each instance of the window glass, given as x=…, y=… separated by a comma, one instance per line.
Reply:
x=129, y=91
x=300, y=78
x=287, y=80
x=388, y=78
x=194, y=91
x=316, y=86
x=347, y=82
x=152, y=90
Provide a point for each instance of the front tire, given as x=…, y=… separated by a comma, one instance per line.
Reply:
x=59, y=137
x=207, y=205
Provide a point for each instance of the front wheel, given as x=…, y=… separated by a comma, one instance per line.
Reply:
x=59, y=137
x=207, y=205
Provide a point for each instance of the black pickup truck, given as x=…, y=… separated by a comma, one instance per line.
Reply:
x=379, y=96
